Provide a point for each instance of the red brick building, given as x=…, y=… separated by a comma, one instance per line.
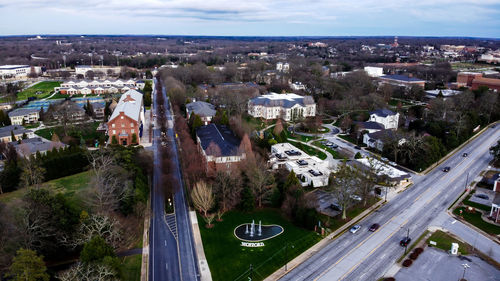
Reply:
x=126, y=123
x=464, y=79
x=491, y=83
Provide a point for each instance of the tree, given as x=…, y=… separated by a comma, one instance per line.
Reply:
x=260, y=180
x=134, y=138
x=247, y=202
x=278, y=128
x=32, y=172
x=114, y=140
x=96, y=250
x=495, y=152
x=343, y=184
x=12, y=136
x=202, y=196
x=368, y=176
x=227, y=189
x=28, y=266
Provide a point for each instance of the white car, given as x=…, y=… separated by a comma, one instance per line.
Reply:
x=355, y=228
x=356, y=197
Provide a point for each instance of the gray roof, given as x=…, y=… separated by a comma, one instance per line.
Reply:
x=370, y=125
x=283, y=100
x=17, y=129
x=383, y=112
x=22, y=111
x=130, y=104
x=221, y=136
x=402, y=78
x=496, y=199
x=382, y=135
x=201, y=108
x=31, y=146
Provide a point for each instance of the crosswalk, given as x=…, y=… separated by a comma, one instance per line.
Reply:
x=172, y=224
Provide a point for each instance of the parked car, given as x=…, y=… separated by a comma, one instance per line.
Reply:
x=355, y=228
x=374, y=227
x=355, y=197
x=482, y=196
x=357, y=147
x=393, y=163
x=446, y=169
x=328, y=143
x=405, y=241
x=335, y=146
x=465, y=154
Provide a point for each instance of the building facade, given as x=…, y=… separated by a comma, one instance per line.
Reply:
x=126, y=123
x=386, y=117
x=285, y=106
x=14, y=132
x=98, y=87
x=402, y=80
x=18, y=71
x=22, y=116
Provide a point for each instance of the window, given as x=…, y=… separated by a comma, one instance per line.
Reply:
x=132, y=125
x=113, y=125
x=123, y=125
x=122, y=117
x=132, y=131
x=123, y=132
x=114, y=131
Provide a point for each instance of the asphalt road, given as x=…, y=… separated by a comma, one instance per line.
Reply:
x=368, y=255
x=172, y=255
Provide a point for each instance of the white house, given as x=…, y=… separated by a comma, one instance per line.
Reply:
x=297, y=86
x=107, y=86
x=285, y=106
x=386, y=117
x=283, y=67
x=377, y=139
x=18, y=71
x=24, y=115
x=373, y=71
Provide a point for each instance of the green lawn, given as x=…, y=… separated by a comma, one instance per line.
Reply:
x=333, y=152
x=74, y=186
x=476, y=220
x=87, y=131
x=228, y=260
x=309, y=150
x=32, y=126
x=444, y=240
x=45, y=87
x=289, y=135
x=348, y=138
x=131, y=268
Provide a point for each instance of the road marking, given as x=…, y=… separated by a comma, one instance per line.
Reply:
x=454, y=221
x=165, y=243
x=357, y=246
x=371, y=252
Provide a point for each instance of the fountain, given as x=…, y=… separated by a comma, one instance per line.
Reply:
x=251, y=232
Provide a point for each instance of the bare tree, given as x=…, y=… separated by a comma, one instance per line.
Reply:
x=368, y=178
x=104, y=226
x=343, y=184
x=32, y=173
x=89, y=272
x=228, y=189
x=202, y=196
x=260, y=180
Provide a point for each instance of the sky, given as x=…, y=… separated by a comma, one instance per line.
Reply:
x=462, y=18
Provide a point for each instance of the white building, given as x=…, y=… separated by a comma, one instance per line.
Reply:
x=310, y=170
x=285, y=106
x=373, y=71
x=283, y=67
x=392, y=175
x=386, y=117
x=98, y=87
x=298, y=86
x=24, y=115
x=18, y=71
x=445, y=93
x=106, y=70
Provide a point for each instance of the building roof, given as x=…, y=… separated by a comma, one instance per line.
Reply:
x=444, y=92
x=201, y=108
x=283, y=100
x=402, y=78
x=130, y=104
x=221, y=136
x=370, y=125
x=382, y=134
x=384, y=169
x=383, y=112
x=17, y=129
x=22, y=111
x=32, y=145
x=10, y=66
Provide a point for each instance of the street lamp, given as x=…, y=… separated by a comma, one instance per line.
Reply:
x=465, y=268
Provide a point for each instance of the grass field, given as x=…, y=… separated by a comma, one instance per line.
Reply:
x=348, y=138
x=131, y=268
x=309, y=150
x=476, y=220
x=230, y=261
x=88, y=131
x=74, y=186
x=444, y=240
x=45, y=87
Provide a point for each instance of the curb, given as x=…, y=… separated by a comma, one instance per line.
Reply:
x=202, y=260
x=145, y=246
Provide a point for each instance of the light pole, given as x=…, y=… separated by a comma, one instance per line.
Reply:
x=465, y=268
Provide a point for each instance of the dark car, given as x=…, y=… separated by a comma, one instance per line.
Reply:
x=405, y=241
x=374, y=227
x=336, y=207
x=482, y=196
x=465, y=154
x=357, y=147
x=446, y=169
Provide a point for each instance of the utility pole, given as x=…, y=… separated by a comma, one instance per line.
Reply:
x=465, y=268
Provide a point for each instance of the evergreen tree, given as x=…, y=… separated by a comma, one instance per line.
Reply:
x=28, y=266
x=12, y=136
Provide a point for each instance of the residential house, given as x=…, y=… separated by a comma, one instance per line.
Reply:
x=298, y=86
x=205, y=110
x=22, y=116
x=402, y=80
x=68, y=111
x=369, y=127
x=495, y=204
x=98, y=87
x=385, y=172
x=310, y=170
x=31, y=146
x=386, y=117
x=98, y=110
x=126, y=123
x=285, y=106
x=377, y=139
x=16, y=130
x=220, y=147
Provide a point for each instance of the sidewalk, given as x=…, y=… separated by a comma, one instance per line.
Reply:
x=146, y=141
x=205, y=274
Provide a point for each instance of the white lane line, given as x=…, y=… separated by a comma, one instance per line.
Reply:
x=165, y=243
x=454, y=221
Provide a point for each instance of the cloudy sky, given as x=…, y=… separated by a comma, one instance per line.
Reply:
x=477, y=18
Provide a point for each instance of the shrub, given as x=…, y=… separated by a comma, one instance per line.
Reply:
x=358, y=156
x=413, y=256
x=407, y=263
x=390, y=279
x=418, y=250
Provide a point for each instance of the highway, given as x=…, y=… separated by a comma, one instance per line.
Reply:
x=172, y=255
x=369, y=255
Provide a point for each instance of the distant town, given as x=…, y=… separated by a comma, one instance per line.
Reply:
x=248, y=158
